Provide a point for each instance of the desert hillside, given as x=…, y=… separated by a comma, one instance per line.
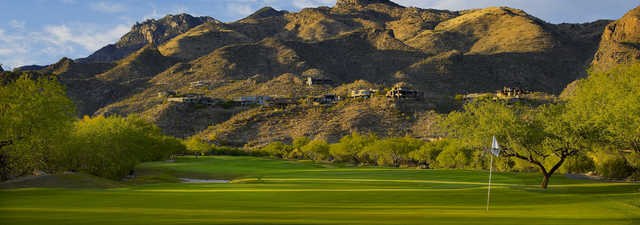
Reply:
x=354, y=45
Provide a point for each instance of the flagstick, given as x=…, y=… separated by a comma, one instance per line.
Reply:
x=489, y=192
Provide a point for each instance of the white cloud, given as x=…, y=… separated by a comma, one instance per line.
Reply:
x=108, y=7
x=240, y=9
x=17, y=24
x=85, y=35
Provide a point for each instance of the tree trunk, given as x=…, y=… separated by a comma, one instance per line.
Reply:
x=545, y=181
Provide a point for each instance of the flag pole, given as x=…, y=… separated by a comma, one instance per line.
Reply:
x=489, y=191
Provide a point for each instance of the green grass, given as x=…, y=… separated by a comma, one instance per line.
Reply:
x=292, y=192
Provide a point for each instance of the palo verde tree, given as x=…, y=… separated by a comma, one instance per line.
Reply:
x=34, y=116
x=608, y=103
x=540, y=136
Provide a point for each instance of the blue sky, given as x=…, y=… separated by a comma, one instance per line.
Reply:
x=43, y=31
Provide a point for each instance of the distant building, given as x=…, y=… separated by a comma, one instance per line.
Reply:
x=362, y=93
x=313, y=81
x=325, y=99
x=403, y=92
x=195, y=99
x=508, y=92
x=252, y=100
x=281, y=102
x=199, y=84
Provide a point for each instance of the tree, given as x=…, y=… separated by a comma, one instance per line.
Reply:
x=277, y=149
x=391, y=151
x=608, y=104
x=428, y=153
x=316, y=150
x=349, y=147
x=198, y=146
x=541, y=136
x=35, y=115
x=111, y=147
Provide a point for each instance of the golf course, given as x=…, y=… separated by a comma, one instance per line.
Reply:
x=266, y=191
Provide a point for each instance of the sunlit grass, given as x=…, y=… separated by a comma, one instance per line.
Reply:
x=288, y=192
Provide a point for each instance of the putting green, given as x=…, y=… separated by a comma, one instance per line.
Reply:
x=288, y=192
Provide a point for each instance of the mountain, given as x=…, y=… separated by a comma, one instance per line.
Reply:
x=620, y=42
x=356, y=44
x=152, y=31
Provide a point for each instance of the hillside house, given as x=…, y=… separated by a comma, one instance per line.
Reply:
x=403, y=92
x=186, y=99
x=315, y=81
x=280, y=102
x=508, y=92
x=362, y=93
x=195, y=99
x=325, y=99
x=199, y=84
x=252, y=100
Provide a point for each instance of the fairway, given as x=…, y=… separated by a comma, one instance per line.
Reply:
x=264, y=191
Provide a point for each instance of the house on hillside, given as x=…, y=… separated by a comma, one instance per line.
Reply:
x=252, y=100
x=404, y=92
x=199, y=84
x=195, y=99
x=508, y=92
x=362, y=93
x=325, y=99
x=280, y=102
x=315, y=81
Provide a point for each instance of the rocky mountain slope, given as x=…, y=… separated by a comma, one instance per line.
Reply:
x=620, y=42
x=154, y=32
x=356, y=44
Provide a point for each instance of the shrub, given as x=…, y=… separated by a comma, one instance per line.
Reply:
x=316, y=150
x=578, y=164
x=391, y=151
x=454, y=157
x=612, y=165
x=428, y=153
x=277, y=149
x=224, y=150
x=349, y=147
x=197, y=146
x=111, y=146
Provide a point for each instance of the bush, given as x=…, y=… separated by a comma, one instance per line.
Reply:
x=316, y=150
x=578, y=164
x=391, y=151
x=197, y=146
x=277, y=149
x=230, y=151
x=612, y=165
x=349, y=147
x=428, y=153
x=454, y=157
x=112, y=146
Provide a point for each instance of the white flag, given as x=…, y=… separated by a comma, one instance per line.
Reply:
x=495, y=148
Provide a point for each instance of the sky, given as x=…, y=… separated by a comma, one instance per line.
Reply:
x=43, y=31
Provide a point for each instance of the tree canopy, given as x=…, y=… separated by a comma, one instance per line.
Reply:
x=537, y=135
x=35, y=114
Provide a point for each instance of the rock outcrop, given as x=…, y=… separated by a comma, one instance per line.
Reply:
x=155, y=32
x=620, y=42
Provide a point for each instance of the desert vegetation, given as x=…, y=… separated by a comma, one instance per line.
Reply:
x=41, y=133
x=568, y=135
